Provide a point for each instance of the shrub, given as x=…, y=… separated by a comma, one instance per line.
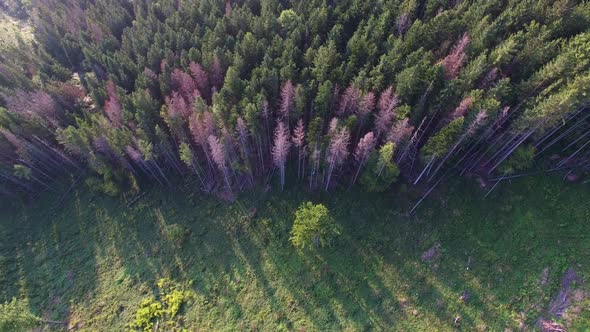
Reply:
x=22, y=172
x=313, y=226
x=522, y=159
x=164, y=309
x=176, y=233
x=105, y=186
x=15, y=316
x=172, y=297
x=149, y=311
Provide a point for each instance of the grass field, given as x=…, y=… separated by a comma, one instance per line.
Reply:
x=94, y=261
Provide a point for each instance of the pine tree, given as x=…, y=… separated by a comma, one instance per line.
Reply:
x=216, y=73
x=184, y=85
x=202, y=126
x=337, y=152
x=280, y=150
x=388, y=101
x=243, y=134
x=298, y=140
x=400, y=131
x=34, y=105
x=362, y=152
x=201, y=79
x=218, y=156
x=454, y=61
x=366, y=106
x=349, y=101
x=462, y=108
x=112, y=106
x=287, y=100
x=381, y=171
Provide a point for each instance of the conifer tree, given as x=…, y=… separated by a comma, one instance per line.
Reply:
x=298, y=140
x=337, y=151
x=280, y=150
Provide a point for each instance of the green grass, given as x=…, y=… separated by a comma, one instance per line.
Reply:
x=13, y=31
x=95, y=260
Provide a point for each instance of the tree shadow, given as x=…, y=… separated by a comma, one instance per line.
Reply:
x=97, y=258
x=51, y=261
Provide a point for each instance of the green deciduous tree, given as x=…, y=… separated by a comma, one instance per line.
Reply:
x=313, y=226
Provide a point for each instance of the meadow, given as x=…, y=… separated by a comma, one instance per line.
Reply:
x=497, y=262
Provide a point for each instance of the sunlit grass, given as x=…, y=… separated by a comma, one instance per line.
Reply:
x=13, y=32
x=95, y=260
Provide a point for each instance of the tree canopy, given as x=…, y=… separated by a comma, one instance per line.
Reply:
x=140, y=92
x=313, y=226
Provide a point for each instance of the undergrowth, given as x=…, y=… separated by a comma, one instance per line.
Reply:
x=180, y=260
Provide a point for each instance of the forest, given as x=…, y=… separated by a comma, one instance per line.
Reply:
x=221, y=101
x=326, y=95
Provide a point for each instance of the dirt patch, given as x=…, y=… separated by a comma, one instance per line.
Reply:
x=75, y=322
x=571, y=177
x=465, y=296
x=70, y=277
x=434, y=253
x=573, y=312
x=565, y=304
x=544, y=278
x=483, y=184
x=563, y=300
x=226, y=196
x=551, y=326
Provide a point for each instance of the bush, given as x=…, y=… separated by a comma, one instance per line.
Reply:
x=313, y=226
x=15, y=316
x=107, y=187
x=176, y=233
x=165, y=309
x=149, y=311
x=521, y=159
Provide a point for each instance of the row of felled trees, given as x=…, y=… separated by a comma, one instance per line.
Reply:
x=235, y=94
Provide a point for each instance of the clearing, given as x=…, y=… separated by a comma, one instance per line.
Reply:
x=461, y=262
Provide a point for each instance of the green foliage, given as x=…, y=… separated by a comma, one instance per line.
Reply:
x=325, y=63
x=146, y=110
x=530, y=57
x=288, y=19
x=176, y=233
x=172, y=297
x=313, y=226
x=15, y=316
x=186, y=154
x=323, y=98
x=441, y=142
x=258, y=278
x=162, y=312
x=552, y=109
x=22, y=172
x=521, y=159
x=381, y=171
x=109, y=184
x=417, y=76
x=147, y=314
